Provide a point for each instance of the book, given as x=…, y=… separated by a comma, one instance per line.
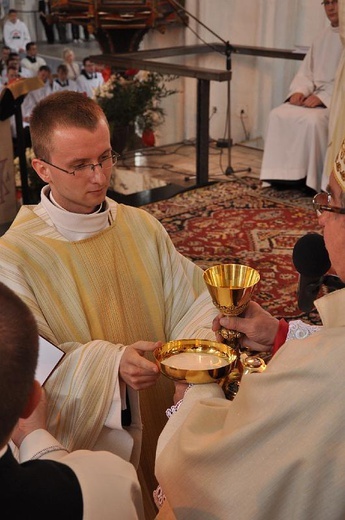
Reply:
x=49, y=357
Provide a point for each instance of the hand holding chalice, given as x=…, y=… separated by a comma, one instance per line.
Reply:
x=231, y=287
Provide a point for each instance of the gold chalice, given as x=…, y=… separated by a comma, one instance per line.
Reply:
x=231, y=287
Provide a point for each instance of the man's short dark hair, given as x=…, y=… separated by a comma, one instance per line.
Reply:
x=29, y=45
x=63, y=68
x=18, y=358
x=44, y=67
x=64, y=109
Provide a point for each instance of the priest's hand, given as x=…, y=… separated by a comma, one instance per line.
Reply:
x=297, y=99
x=312, y=101
x=257, y=325
x=137, y=371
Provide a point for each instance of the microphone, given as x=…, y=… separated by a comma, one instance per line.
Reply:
x=310, y=257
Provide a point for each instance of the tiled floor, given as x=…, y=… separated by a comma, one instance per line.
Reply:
x=177, y=164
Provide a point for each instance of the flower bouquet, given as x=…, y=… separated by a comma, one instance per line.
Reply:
x=131, y=103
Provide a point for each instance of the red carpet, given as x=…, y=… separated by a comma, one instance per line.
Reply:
x=234, y=222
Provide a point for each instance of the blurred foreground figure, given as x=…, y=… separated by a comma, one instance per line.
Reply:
x=49, y=482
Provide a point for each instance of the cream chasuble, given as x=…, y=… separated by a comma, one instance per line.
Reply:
x=277, y=451
x=93, y=296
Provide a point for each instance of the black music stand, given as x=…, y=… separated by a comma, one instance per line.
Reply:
x=228, y=50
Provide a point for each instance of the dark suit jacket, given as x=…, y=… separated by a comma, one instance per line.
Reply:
x=38, y=490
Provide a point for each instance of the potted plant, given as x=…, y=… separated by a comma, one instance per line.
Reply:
x=131, y=103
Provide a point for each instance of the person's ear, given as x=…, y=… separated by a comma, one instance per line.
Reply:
x=42, y=169
x=33, y=400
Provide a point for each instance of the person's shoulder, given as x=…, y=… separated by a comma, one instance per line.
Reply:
x=107, y=482
x=327, y=32
x=22, y=222
x=135, y=212
x=106, y=462
x=138, y=217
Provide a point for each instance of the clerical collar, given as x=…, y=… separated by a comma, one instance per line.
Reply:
x=75, y=226
x=62, y=83
x=88, y=76
x=100, y=208
x=32, y=59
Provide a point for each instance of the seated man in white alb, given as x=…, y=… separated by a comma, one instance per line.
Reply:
x=16, y=34
x=297, y=134
x=89, y=79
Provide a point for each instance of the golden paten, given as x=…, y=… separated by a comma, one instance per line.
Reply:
x=206, y=361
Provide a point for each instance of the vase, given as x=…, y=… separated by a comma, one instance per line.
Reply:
x=124, y=138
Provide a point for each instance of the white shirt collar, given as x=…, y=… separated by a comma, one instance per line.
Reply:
x=74, y=226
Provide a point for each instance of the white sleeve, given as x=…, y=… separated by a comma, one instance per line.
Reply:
x=109, y=485
x=299, y=330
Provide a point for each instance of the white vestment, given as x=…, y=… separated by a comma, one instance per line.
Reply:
x=16, y=35
x=32, y=68
x=34, y=97
x=68, y=85
x=296, y=139
x=87, y=85
x=108, y=483
x=277, y=451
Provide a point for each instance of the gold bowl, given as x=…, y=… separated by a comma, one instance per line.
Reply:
x=206, y=361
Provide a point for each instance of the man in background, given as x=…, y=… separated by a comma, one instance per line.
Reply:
x=49, y=482
x=62, y=82
x=16, y=33
x=44, y=10
x=89, y=78
x=32, y=62
x=297, y=134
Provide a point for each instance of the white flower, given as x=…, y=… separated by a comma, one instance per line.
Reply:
x=142, y=75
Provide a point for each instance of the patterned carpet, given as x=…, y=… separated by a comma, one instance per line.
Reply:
x=239, y=222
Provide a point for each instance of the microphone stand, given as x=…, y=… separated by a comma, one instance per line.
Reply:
x=228, y=50
x=230, y=170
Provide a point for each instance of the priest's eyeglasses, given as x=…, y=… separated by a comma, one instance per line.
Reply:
x=86, y=169
x=329, y=2
x=322, y=202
